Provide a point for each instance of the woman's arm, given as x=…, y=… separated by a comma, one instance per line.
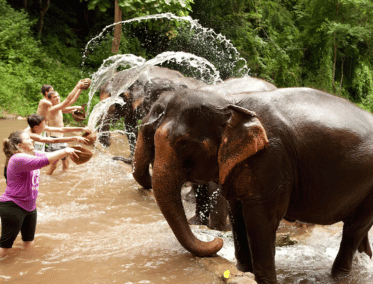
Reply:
x=58, y=155
x=23, y=162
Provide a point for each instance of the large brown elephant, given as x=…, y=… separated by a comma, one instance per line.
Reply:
x=298, y=153
x=138, y=98
x=211, y=208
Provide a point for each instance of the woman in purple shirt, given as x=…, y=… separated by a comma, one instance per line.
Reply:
x=18, y=203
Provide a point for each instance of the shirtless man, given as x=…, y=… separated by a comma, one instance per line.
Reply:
x=45, y=105
x=52, y=108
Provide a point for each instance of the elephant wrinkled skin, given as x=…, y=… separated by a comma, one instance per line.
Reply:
x=283, y=153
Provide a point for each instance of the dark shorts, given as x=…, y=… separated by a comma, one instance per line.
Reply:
x=51, y=147
x=14, y=219
x=5, y=173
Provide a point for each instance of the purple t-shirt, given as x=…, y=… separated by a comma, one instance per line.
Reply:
x=23, y=179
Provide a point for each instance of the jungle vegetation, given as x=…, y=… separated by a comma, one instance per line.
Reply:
x=324, y=44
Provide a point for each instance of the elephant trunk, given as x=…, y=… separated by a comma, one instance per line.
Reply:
x=167, y=182
x=144, y=154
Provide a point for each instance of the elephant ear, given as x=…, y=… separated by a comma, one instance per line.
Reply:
x=242, y=137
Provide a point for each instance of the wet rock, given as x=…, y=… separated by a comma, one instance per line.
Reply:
x=241, y=278
x=219, y=265
x=284, y=240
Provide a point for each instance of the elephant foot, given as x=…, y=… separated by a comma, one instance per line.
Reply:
x=342, y=264
x=338, y=273
x=244, y=267
x=127, y=161
x=198, y=221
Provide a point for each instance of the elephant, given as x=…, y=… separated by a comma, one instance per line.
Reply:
x=298, y=153
x=138, y=99
x=211, y=208
x=213, y=211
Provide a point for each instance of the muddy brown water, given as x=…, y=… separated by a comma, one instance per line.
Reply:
x=96, y=225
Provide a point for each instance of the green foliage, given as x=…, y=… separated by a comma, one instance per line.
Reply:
x=264, y=34
x=337, y=36
x=327, y=45
x=102, y=50
x=139, y=8
x=363, y=84
x=25, y=65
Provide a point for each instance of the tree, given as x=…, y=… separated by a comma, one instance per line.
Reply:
x=338, y=38
x=138, y=8
x=117, y=28
x=43, y=9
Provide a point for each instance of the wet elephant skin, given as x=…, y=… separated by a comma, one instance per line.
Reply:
x=283, y=153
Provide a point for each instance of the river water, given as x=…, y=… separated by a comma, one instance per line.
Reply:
x=96, y=225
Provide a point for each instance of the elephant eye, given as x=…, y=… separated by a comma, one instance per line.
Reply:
x=182, y=144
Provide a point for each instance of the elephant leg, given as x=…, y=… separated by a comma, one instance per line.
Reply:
x=261, y=226
x=241, y=242
x=131, y=132
x=354, y=237
x=218, y=208
x=104, y=137
x=202, y=205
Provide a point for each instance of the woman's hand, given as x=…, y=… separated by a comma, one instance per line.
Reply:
x=72, y=152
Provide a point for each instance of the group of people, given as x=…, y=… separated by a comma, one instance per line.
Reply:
x=27, y=151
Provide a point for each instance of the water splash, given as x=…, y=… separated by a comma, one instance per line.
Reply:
x=201, y=67
x=139, y=67
x=196, y=31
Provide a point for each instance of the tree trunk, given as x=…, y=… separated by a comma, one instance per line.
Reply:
x=43, y=10
x=117, y=28
x=25, y=4
x=335, y=60
x=340, y=87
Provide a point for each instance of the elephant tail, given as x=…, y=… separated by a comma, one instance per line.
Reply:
x=127, y=161
x=365, y=246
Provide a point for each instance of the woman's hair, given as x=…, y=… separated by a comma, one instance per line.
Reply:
x=10, y=145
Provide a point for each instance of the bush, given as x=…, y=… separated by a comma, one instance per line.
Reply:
x=25, y=65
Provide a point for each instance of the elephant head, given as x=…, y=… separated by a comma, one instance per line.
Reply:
x=226, y=88
x=136, y=101
x=196, y=136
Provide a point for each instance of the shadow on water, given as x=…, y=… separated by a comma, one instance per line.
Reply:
x=95, y=225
